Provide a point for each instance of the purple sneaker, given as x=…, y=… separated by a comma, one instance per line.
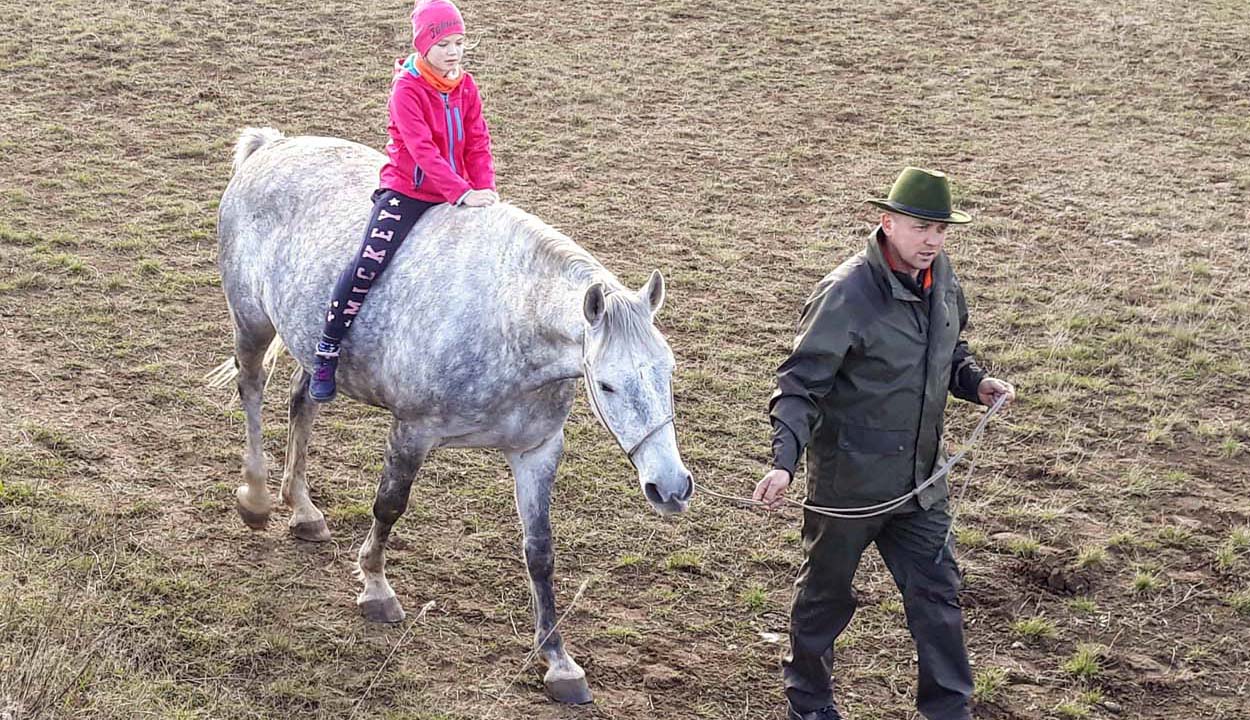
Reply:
x=322, y=387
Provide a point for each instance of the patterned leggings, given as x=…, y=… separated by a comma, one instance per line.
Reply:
x=393, y=216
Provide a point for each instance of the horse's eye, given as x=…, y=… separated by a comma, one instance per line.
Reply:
x=606, y=388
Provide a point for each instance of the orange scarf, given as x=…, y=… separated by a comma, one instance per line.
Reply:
x=436, y=79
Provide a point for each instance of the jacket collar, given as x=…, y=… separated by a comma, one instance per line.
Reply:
x=881, y=267
x=409, y=66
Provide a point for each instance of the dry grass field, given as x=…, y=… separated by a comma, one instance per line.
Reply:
x=1103, y=146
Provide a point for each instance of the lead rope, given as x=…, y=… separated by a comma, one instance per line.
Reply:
x=869, y=511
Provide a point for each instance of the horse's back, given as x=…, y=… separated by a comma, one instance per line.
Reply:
x=291, y=214
x=283, y=182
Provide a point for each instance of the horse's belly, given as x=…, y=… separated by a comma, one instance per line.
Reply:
x=526, y=422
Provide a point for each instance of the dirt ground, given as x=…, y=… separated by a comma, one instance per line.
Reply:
x=1103, y=147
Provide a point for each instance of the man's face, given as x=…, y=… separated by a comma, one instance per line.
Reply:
x=913, y=243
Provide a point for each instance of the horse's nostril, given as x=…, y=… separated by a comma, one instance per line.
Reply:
x=653, y=493
x=689, y=491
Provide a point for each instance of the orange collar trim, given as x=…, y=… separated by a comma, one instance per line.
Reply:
x=926, y=276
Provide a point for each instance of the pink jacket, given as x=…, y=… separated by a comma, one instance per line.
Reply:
x=440, y=147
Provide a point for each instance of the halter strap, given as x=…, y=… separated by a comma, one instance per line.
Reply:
x=630, y=452
x=592, y=391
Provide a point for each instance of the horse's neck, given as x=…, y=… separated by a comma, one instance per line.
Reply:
x=565, y=271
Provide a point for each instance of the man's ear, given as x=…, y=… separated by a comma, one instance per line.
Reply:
x=887, y=222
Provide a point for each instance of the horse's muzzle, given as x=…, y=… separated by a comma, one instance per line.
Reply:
x=670, y=497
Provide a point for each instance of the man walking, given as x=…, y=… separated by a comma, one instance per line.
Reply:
x=864, y=390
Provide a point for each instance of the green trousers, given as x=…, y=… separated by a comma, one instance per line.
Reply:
x=910, y=542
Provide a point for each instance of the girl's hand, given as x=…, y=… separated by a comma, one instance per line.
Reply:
x=479, y=198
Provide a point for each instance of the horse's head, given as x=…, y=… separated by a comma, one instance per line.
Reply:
x=629, y=380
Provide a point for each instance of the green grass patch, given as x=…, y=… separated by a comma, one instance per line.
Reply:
x=988, y=683
x=1034, y=628
x=1091, y=556
x=1231, y=447
x=622, y=633
x=1083, y=605
x=351, y=512
x=1073, y=709
x=1146, y=581
x=686, y=560
x=1024, y=547
x=1086, y=661
x=1240, y=602
x=1239, y=538
x=755, y=598
x=628, y=560
x=1175, y=536
x=970, y=537
x=13, y=492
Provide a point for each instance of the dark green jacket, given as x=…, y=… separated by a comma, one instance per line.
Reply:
x=865, y=388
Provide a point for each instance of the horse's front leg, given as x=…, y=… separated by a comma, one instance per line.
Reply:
x=406, y=449
x=535, y=471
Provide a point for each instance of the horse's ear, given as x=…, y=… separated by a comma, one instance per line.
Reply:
x=594, y=304
x=653, y=292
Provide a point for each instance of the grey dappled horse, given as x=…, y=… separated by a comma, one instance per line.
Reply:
x=475, y=337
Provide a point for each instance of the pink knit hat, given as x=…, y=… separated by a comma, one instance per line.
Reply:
x=433, y=20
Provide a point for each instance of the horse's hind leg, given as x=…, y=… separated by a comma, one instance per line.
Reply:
x=307, y=522
x=535, y=471
x=252, y=497
x=406, y=449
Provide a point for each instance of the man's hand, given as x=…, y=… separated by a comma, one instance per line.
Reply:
x=480, y=198
x=772, y=488
x=990, y=389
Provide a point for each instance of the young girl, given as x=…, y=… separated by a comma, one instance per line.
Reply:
x=439, y=151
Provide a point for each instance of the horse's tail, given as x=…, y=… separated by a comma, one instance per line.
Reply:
x=252, y=139
x=228, y=370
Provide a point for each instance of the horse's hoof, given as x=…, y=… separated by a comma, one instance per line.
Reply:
x=386, y=610
x=570, y=690
x=254, y=520
x=312, y=530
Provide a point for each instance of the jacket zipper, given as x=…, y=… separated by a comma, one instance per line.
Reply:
x=924, y=393
x=915, y=315
x=451, y=132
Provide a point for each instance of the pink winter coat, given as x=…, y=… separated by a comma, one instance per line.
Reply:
x=440, y=147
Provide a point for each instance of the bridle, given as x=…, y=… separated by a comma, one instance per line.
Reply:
x=592, y=390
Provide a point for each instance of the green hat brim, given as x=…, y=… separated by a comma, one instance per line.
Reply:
x=955, y=218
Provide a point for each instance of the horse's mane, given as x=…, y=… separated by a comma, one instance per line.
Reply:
x=626, y=318
x=554, y=251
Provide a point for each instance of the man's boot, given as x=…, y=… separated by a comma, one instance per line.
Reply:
x=827, y=712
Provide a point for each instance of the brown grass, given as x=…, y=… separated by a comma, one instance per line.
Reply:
x=1101, y=146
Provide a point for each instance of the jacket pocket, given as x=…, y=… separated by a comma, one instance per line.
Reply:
x=871, y=465
x=853, y=438
x=459, y=126
x=418, y=176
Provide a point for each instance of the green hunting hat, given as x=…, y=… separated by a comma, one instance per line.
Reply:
x=923, y=194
